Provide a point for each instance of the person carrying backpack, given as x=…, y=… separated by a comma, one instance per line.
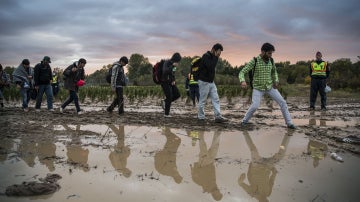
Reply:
x=118, y=81
x=75, y=75
x=265, y=81
x=168, y=83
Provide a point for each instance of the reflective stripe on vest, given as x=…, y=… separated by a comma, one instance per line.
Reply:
x=318, y=69
x=191, y=80
x=54, y=79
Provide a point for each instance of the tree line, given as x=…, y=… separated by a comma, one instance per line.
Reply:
x=344, y=73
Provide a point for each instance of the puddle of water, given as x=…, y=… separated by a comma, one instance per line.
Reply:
x=138, y=163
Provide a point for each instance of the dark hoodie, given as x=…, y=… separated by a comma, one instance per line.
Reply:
x=42, y=74
x=207, y=67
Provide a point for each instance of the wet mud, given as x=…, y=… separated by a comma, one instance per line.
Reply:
x=142, y=156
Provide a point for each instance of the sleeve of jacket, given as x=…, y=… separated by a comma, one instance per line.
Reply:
x=36, y=75
x=114, y=75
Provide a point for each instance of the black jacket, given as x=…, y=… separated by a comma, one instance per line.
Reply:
x=73, y=77
x=42, y=74
x=207, y=67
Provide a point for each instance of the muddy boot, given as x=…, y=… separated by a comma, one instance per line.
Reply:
x=110, y=109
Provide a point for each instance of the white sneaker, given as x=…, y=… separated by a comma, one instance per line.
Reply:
x=51, y=110
x=80, y=112
x=61, y=110
x=167, y=116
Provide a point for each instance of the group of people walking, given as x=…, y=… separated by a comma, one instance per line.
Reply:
x=265, y=81
x=201, y=86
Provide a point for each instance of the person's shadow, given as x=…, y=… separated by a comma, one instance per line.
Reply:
x=77, y=155
x=262, y=172
x=118, y=157
x=317, y=151
x=203, y=171
x=165, y=159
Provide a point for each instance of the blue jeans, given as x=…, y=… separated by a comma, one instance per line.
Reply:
x=73, y=97
x=25, y=94
x=47, y=89
x=208, y=89
x=275, y=95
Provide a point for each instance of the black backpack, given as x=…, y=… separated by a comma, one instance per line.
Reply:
x=251, y=72
x=194, y=70
x=157, y=72
x=108, y=75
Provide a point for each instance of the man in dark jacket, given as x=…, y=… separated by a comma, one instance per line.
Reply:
x=319, y=73
x=207, y=87
x=118, y=81
x=42, y=78
x=168, y=83
x=73, y=74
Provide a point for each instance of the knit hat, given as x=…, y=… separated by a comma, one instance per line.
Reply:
x=176, y=57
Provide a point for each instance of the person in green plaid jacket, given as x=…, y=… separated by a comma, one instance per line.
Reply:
x=265, y=81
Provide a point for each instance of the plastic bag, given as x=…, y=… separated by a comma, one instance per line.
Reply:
x=327, y=89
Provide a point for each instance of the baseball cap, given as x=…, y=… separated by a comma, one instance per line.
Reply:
x=47, y=58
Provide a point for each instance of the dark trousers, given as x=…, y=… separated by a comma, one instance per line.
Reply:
x=73, y=97
x=194, y=93
x=318, y=85
x=171, y=94
x=118, y=101
x=55, y=89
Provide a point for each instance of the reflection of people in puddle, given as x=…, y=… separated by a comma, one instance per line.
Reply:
x=46, y=153
x=5, y=146
x=312, y=120
x=77, y=155
x=118, y=157
x=317, y=151
x=262, y=172
x=165, y=159
x=194, y=136
x=203, y=171
x=27, y=150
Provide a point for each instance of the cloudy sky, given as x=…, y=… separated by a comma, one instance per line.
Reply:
x=103, y=31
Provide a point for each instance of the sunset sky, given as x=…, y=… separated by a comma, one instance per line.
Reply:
x=103, y=31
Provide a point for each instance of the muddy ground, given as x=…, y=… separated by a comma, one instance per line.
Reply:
x=341, y=120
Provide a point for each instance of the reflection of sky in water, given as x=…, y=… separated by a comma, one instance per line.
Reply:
x=138, y=163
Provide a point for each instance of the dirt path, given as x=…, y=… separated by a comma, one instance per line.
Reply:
x=340, y=121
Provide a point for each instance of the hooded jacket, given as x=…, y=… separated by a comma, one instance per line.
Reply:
x=73, y=77
x=207, y=67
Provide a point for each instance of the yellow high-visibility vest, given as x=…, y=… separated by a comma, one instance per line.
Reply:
x=318, y=69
